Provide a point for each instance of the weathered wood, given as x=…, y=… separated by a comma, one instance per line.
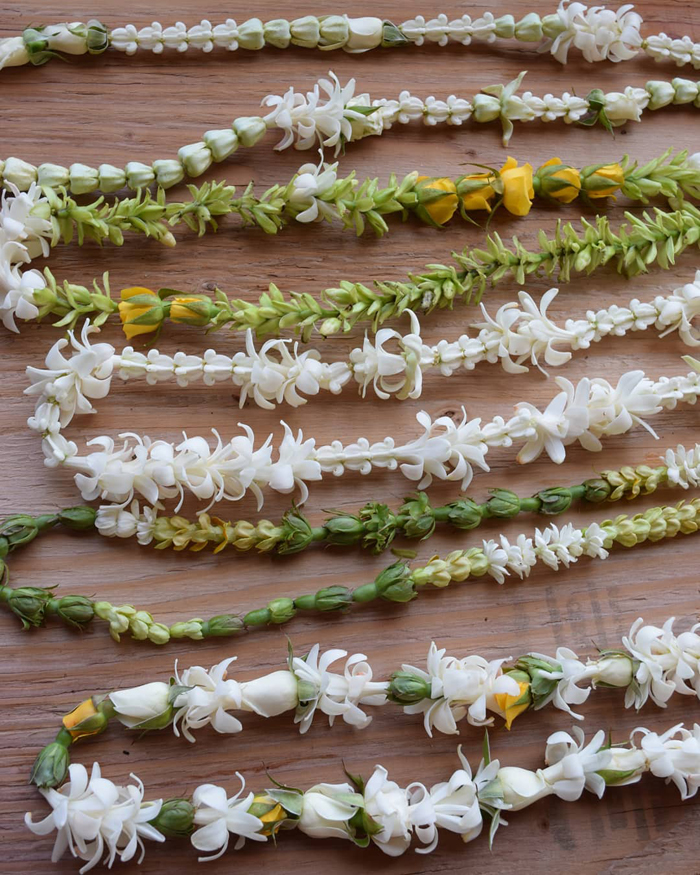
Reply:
x=116, y=109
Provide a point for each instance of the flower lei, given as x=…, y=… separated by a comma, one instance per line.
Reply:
x=653, y=664
x=583, y=412
x=554, y=546
x=600, y=34
x=93, y=817
x=332, y=115
x=279, y=373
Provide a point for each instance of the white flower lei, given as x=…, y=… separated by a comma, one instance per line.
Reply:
x=331, y=115
x=584, y=412
x=94, y=815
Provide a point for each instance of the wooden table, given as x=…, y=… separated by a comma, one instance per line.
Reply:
x=116, y=109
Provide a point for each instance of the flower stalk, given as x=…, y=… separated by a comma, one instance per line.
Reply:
x=554, y=546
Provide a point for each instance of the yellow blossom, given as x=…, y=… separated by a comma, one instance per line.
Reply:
x=511, y=706
x=597, y=183
x=477, y=190
x=269, y=811
x=568, y=181
x=190, y=310
x=84, y=721
x=517, y=187
x=438, y=208
x=140, y=310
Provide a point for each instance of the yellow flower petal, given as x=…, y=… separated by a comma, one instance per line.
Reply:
x=518, y=191
x=439, y=209
x=511, y=706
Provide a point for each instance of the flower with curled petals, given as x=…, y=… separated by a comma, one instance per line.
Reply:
x=217, y=818
x=387, y=804
x=674, y=755
x=572, y=765
x=210, y=696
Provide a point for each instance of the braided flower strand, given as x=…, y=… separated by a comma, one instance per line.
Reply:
x=553, y=546
x=94, y=817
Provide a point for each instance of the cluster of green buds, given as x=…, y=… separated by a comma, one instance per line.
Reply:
x=21, y=529
x=397, y=583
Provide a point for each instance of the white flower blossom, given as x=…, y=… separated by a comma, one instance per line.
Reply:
x=94, y=816
x=676, y=759
x=601, y=34
x=211, y=695
x=140, y=705
x=309, y=186
x=327, y=810
x=387, y=804
x=217, y=818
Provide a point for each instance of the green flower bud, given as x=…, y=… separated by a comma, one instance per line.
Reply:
x=52, y=175
x=111, y=178
x=395, y=584
x=685, y=90
x=421, y=521
x=251, y=35
x=281, y=610
x=333, y=598
x=661, y=93
x=249, y=130
x=158, y=633
x=407, y=689
x=19, y=529
x=532, y=668
x=552, y=26
x=334, y=31
x=222, y=625
x=175, y=818
x=188, y=629
x=344, y=530
x=277, y=33
x=297, y=533
x=168, y=172
x=464, y=514
x=20, y=173
x=305, y=31
x=261, y=617
x=96, y=38
x=555, y=500
x=503, y=504
x=51, y=766
x=329, y=326
x=529, y=28
x=597, y=490
x=75, y=610
x=83, y=178
x=195, y=158
x=486, y=107
x=504, y=27
x=29, y=604
x=221, y=143
x=78, y=518
x=139, y=175
x=392, y=36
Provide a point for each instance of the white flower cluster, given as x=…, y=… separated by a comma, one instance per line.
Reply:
x=94, y=817
x=67, y=38
x=91, y=817
x=447, y=450
x=207, y=697
x=681, y=51
x=23, y=236
x=655, y=664
x=600, y=34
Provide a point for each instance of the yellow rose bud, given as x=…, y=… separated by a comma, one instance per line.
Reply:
x=517, y=187
x=434, y=206
x=269, y=811
x=476, y=191
x=85, y=720
x=140, y=310
x=559, y=182
x=597, y=184
x=193, y=310
x=511, y=706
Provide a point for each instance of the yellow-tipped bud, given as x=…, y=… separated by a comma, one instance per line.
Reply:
x=513, y=705
x=141, y=311
x=437, y=199
x=559, y=181
x=517, y=187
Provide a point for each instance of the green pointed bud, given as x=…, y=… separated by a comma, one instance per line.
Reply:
x=29, y=604
x=407, y=689
x=535, y=669
x=222, y=626
x=75, y=610
x=19, y=529
x=394, y=583
x=175, y=818
x=555, y=500
x=344, y=530
x=503, y=504
x=330, y=326
x=333, y=598
x=380, y=526
x=420, y=522
x=597, y=490
x=281, y=610
x=392, y=36
x=51, y=766
x=464, y=514
x=78, y=518
x=298, y=534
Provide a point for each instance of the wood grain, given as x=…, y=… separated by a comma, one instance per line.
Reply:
x=116, y=109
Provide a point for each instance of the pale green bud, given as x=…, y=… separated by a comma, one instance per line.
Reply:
x=685, y=91
x=552, y=26
x=250, y=130
x=111, y=178
x=52, y=175
x=330, y=326
x=529, y=28
x=195, y=158
x=221, y=143
x=168, y=172
x=305, y=31
x=139, y=175
x=187, y=629
x=505, y=27
x=158, y=633
x=277, y=33
x=660, y=94
x=364, y=34
x=83, y=178
x=486, y=107
x=69, y=38
x=19, y=173
x=334, y=30
x=251, y=34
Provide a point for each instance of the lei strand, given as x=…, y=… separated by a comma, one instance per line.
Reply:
x=554, y=546
x=373, y=528
x=652, y=664
x=600, y=34
x=95, y=818
x=332, y=115
x=279, y=373
x=583, y=412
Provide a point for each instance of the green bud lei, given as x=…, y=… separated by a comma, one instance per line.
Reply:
x=281, y=610
x=74, y=610
x=81, y=518
x=394, y=583
x=51, y=765
x=175, y=818
x=343, y=530
x=555, y=500
x=222, y=626
x=407, y=689
x=503, y=504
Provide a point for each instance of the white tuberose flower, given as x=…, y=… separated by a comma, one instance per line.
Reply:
x=387, y=804
x=211, y=696
x=218, y=817
x=308, y=187
x=327, y=810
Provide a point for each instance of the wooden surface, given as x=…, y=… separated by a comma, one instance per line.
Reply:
x=116, y=109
